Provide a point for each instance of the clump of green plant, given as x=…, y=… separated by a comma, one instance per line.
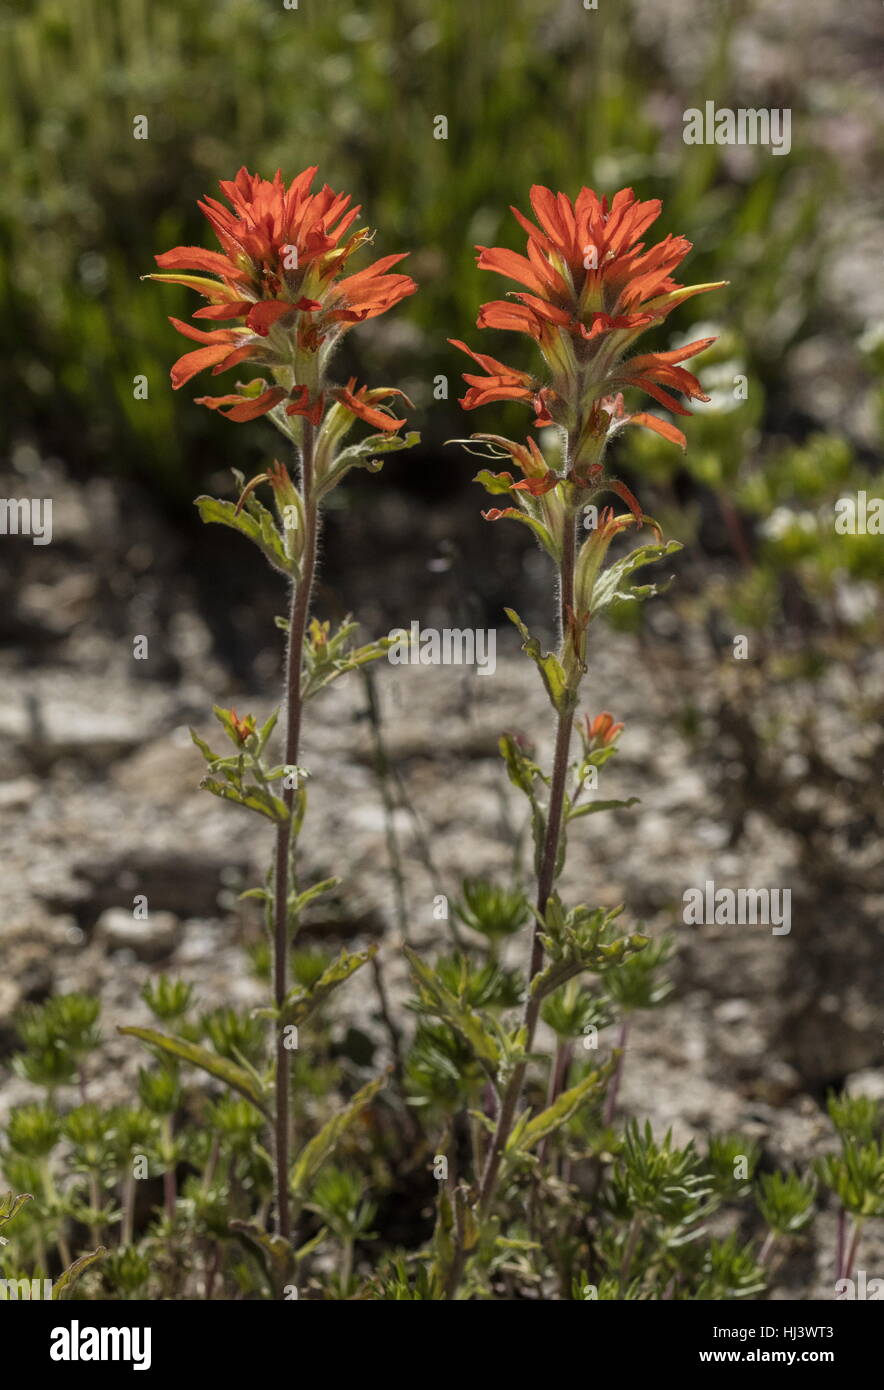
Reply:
x=173, y=1191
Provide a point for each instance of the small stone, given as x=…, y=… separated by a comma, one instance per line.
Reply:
x=866, y=1083
x=18, y=793
x=150, y=938
x=733, y=1011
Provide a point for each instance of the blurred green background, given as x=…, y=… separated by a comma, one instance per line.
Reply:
x=539, y=91
x=542, y=90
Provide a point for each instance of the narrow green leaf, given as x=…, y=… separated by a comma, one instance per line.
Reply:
x=195, y=1056
x=64, y=1284
x=301, y=1003
x=562, y=1109
x=590, y=807
x=265, y=537
x=322, y=1146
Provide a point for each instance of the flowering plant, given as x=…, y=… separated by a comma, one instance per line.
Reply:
x=279, y=278
x=590, y=289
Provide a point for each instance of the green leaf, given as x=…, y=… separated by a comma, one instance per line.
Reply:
x=266, y=730
x=322, y=1146
x=252, y=797
x=297, y=902
x=204, y=748
x=301, y=1003
x=522, y=770
x=610, y=583
x=561, y=1111
x=460, y=1016
x=494, y=482
x=549, y=665
x=64, y=1284
x=275, y=1253
x=11, y=1206
x=590, y=807
x=361, y=455
x=261, y=531
x=321, y=668
x=220, y=1067
x=540, y=531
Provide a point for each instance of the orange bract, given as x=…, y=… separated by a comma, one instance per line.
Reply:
x=278, y=279
x=591, y=287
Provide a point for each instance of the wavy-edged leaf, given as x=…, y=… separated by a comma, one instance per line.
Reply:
x=611, y=584
x=64, y=1284
x=10, y=1206
x=301, y=1003
x=254, y=798
x=548, y=665
x=259, y=529
x=362, y=455
x=528, y=1132
x=322, y=1146
x=495, y=483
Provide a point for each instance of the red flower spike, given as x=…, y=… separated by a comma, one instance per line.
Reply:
x=589, y=286
x=279, y=272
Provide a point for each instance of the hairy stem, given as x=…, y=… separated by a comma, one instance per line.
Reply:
x=841, y=1247
x=298, y=613
x=545, y=881
x=852, y=1250
x=614, y=1088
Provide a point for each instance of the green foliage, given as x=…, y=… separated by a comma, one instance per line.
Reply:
x=786, y=1201
x=660, y=1179
x=638, y=982
x=572, y=1011
x=228, y=777
x=240, y=1079
x=491, y=910
x=732, y=1160
x=57, y=1035
x=856, y=1176
x=167, y=999
x=552, y=672
x=599, y=588
x=581, y=939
